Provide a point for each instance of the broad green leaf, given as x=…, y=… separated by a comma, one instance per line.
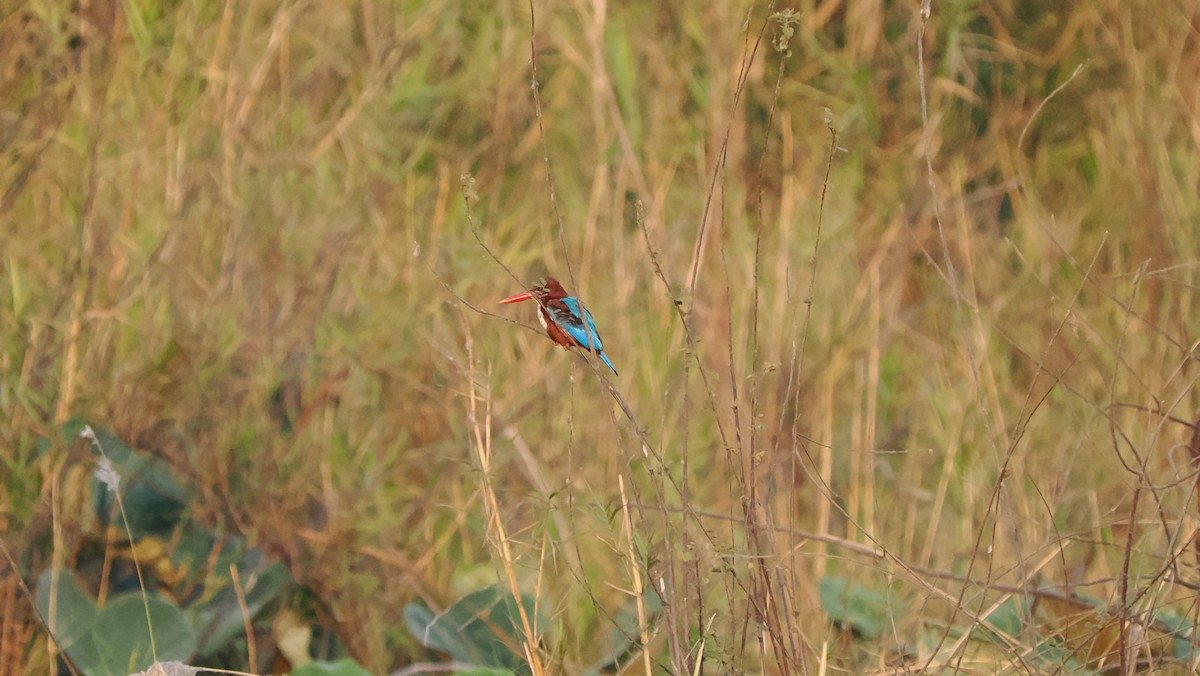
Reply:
x=153, y=499
x=1006, y=618
x=482, y=628
x=855, y=606
x=122, y=637
x=625, y=637
x=114, y=639
x=219, y=619
x=74, y=613
x=339, y=668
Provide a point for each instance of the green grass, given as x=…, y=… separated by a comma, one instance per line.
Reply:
x=237, y=237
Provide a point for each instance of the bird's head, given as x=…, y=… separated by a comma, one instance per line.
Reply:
x=546, y=289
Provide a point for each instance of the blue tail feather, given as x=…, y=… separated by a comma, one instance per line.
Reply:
x=604, y=358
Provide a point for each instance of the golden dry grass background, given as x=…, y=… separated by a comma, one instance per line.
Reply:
x=962, y=346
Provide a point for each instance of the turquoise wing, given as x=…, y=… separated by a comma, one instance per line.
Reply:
x=575, y=328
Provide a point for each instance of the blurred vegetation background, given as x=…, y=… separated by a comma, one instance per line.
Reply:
x=905, y=311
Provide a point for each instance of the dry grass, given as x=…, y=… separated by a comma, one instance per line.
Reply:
x=945, y=356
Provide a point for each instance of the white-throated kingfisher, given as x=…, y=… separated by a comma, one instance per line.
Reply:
x=565, y=320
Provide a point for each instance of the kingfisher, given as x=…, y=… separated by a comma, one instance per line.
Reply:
x=564, y=319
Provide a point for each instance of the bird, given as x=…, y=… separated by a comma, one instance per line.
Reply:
x=563, y=318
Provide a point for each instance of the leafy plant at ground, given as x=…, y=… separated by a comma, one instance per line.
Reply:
x=180, y=601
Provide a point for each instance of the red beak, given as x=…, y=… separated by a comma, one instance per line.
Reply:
x=524, y=295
